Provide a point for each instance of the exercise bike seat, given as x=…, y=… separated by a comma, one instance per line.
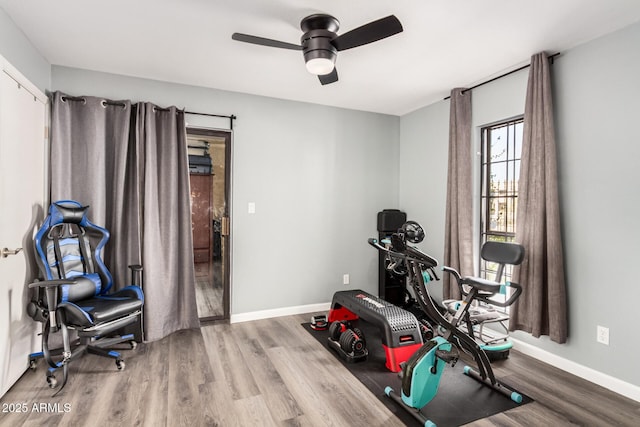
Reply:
x=483, y=285
x=477, y=288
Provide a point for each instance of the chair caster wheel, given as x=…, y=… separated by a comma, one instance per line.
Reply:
x=52, y=381
x=33, y=364
x=120, y=364
x=133, y=345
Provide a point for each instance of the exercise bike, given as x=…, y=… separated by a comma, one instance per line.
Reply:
x=421, y=374
x=482, y=312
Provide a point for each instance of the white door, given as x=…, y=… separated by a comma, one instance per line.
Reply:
x=23, y=112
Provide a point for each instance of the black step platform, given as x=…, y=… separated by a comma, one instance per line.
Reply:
x=400, y=329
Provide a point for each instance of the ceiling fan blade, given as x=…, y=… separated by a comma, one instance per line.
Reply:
x=332, y=77
x=264, y=42
x=368, y=33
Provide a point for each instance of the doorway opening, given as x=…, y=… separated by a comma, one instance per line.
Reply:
x=209, y=176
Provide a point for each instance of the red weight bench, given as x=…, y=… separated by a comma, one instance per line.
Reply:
x=401, y=335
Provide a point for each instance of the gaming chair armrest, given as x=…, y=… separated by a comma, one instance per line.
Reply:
x=52, y=283
x=136, y=274
x=51, y=289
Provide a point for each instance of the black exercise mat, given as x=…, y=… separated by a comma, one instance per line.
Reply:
x=460, y=398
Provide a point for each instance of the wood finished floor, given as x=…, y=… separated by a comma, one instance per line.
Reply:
x=272, y=373
x=209, y=298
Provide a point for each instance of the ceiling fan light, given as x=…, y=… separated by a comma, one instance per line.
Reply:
x=320, y=66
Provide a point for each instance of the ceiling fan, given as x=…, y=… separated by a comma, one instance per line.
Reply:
x=320, y=43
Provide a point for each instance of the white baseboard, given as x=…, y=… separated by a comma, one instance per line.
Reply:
x=277, y=312
x=614, y=384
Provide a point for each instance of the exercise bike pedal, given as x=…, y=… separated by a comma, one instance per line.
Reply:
x=449, y=356
x=402, y=367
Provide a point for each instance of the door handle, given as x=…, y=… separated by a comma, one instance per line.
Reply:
x=6, y=252
x=225, y=226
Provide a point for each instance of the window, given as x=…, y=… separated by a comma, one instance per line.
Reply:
x=500, y=157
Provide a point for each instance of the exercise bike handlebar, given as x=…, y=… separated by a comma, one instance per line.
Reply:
x=393, y=254
x=410, y=254
x=514, y=296
x=452, y=271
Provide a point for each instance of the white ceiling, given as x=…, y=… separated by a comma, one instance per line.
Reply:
x=445, y=43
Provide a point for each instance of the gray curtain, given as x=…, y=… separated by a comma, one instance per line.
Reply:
x=90, y=151
x=167, y=249
x=458, y=238
x=542, y=307
x=129, y=163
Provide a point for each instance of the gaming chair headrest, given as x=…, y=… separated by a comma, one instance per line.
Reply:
x=69, y=212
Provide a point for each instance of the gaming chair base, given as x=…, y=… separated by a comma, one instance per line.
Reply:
x=103, y=347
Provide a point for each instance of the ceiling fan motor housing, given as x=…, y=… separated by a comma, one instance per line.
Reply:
x=317, y=44
x=319, y=30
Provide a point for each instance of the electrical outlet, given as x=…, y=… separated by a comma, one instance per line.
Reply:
x=603, y=335
x=345, y=279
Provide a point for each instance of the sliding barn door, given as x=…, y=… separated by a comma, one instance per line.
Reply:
x=210, y=166
x=23, y=111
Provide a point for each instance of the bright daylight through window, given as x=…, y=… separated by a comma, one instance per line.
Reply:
x=500, y=157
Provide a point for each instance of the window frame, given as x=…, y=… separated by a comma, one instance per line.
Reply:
x=509, y=194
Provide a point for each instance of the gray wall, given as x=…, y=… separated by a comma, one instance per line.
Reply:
x=18, y=50
x=597, y=100
x=317, y=174
x=424, y=145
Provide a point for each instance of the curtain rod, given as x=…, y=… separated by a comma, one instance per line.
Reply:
x=550, y=58
x=82, y=99
x=231, y=117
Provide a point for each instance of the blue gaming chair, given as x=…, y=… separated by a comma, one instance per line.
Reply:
x=74, y=294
